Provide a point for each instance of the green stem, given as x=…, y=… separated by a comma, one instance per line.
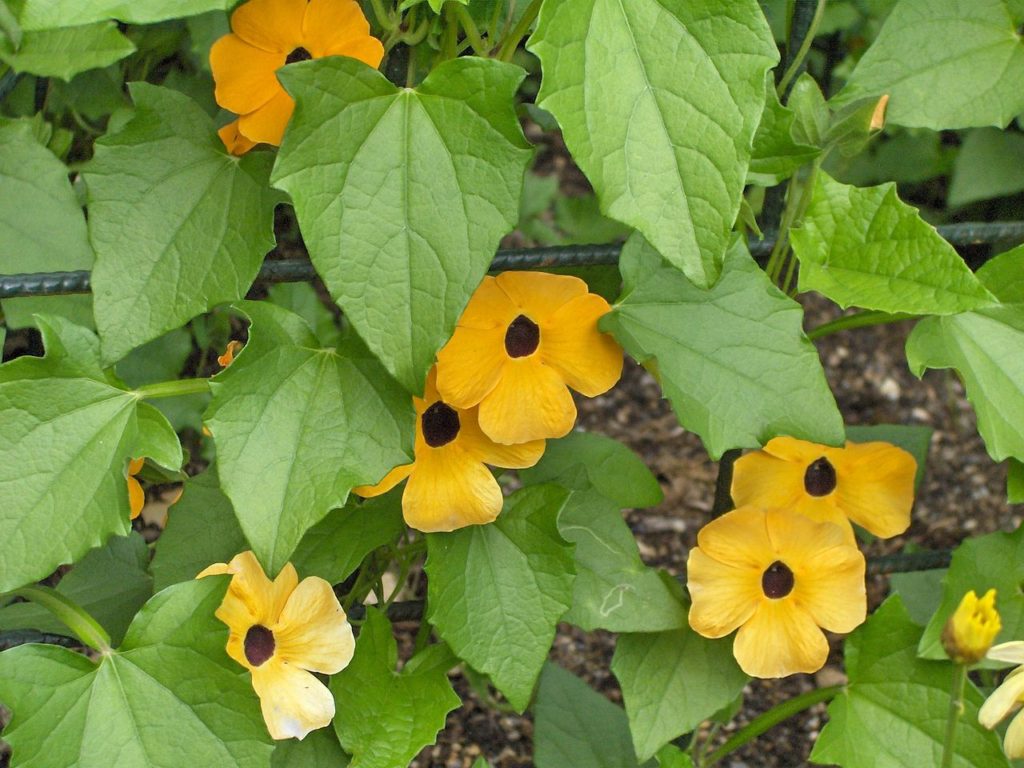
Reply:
x=450, y=36
x=802, y=51
x=858, y=320
x=70, y=614
x=956, y=708
x=383, y=17
x=519, y=31
x=173, y=388
x=771, y=718
x=798, y=199
x=469, y=27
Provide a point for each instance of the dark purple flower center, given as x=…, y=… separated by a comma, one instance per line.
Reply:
x=440, y=424
x=820, y=478
x=777, y=580
x=259, y=644
x=299, y=54
x=522, y=337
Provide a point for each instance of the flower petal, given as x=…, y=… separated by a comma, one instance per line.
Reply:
x=780, y=639
x=234, y=142
x=830, y=587
x=338, y=28
x=739, y=539
x=293, y=701
x=390, y=480
x=800, y=452
x=1003, y=700
x=313, y=631
x=723, y=596
x=450, y=489
x=285, y=583
x=517, y=456
x=530, y=402
x=136, y=497
x=1011, y=653
x=589, y=361
x=764, y=480
x=489, y=307
x=243, y=75
x=540, y=294
x=267, y=123
x=470, y=365
x=875, y=486
x=1013, y=742
x=272, y=25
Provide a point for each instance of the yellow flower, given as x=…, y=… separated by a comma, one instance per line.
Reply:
x=278, y=630
x=871, y=484
x=778, y=577
x=266, y=35
x=136, y=496
x=969, y=632
x=524, y=338
x=449, y=486
x=1006, y=698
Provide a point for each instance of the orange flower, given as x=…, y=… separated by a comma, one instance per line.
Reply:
x=136, y=496
x=266, y=35
x=871, y=484
x=230, y=351
x=523, y=340
x=449, y=486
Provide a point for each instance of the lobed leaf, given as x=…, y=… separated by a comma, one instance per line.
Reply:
x=47, y=14
x=67, y=51
x=1003, y=275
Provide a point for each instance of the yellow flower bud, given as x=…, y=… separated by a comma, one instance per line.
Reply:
x=971, y=629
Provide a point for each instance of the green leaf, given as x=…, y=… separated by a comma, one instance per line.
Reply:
x=614, y=589
x=302, y=299
x=403, y=195
x=659, y=101
x=582, y=460
x=776, y=155
x=110, y=584
x=503, y=585
x=733, y=360
x=310, y=423
x=66, y=436
x=42, y=228
x=201, y=529
x=673, y=757
x=671, y=682
x=320, y=749
x=893, y=711
x=384, y=717
x=170, y=696
x=981, y=563
x=944, y=65
x=333, y=548
x=159, y=360
x=990, y=164
x=576, y=726
x=915, y=440
x=983, y=346
x=1014, y=482
x=1003, y=275
x=46, y=14
x=865, y=247
x=920, y=591
x=65, y=52
x=178, y=225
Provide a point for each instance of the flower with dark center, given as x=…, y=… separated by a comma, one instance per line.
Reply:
x=524, y=340
x=281, y=631
x=265, y=36
x=449, y=484
x=779, y=578
x=871, y=484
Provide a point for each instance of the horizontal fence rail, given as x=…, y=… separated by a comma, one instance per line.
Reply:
x=300, y=270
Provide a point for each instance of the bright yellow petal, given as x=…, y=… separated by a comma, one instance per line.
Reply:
x=875, y=486
x=273, y=25
x=217, y=569
x=780, y=639
x=293, y=701
x=791, y=449
x=136, y=498
x=488, y=307
x=470, y=365
x=338, y=28
x=723, y=596
x=830, y=587
x=589, y=361
x=1003, y=700
x=512, y=456
x=763, y=480
x=243, y=75
x=530, y=402
x=739, y=539
x=313, y=632
x=1013, y=742
x=282, y=588
x=540, y=294
x=449, y=489
x=135, y=466
x=266, y=124
x=235, y=143
x=824, y=510
x=391, y=479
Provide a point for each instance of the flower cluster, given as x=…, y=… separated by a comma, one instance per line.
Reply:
x=499, y=389
x=784, y=564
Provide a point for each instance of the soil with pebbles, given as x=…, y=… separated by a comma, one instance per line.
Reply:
x=963, y=494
